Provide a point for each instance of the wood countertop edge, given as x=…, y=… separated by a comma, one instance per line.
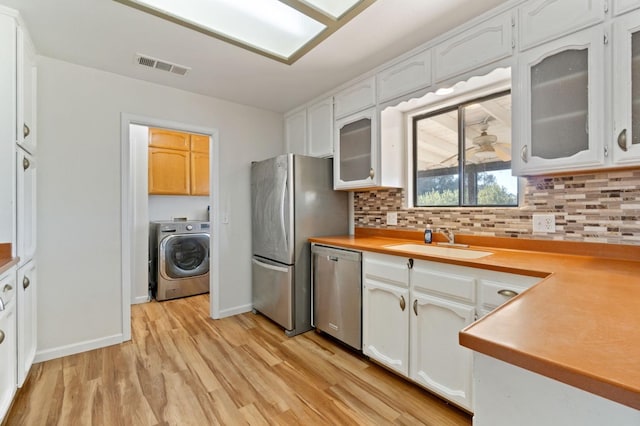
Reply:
x=609, y=388
x=8, y=263
x=614, y=391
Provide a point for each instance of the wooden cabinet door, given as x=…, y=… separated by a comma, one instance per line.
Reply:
x=26, y=92
x=199, y=173
x=437, y=360
x=200, y=143
x=354, y=161
x=170, y=139
x=168, y=172
x=360, y=96
x=26, y=206
x=27, y=319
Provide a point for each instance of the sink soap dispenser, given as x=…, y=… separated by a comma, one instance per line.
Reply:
x=428, y=235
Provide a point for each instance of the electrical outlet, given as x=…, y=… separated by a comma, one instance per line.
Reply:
x=392, y=218
x=544, y=223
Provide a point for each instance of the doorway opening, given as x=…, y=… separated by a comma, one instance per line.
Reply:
x=139, y=208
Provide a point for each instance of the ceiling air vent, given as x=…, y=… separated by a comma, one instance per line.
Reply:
x=148, y=61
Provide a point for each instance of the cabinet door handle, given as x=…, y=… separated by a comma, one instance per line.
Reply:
x=371, y=173
x=1, y=336
x=2, y=306
x=523, y=154
x=26, y=282
x=415, y=306
x=622, y=140
x=507, y=293
x=26, y=131
x=7, y=288
x=410, y=263
x=26, y=163
x=403, y=304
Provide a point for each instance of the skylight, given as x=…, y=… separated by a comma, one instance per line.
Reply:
x=283, y=30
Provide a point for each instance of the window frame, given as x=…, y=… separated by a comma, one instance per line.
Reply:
x=460, y=168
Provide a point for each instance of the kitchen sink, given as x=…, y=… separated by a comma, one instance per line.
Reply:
x=440, y=251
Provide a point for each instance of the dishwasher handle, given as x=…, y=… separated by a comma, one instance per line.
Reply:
x=336, y=254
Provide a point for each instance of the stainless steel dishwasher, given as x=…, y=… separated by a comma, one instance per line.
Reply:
x=337, y=293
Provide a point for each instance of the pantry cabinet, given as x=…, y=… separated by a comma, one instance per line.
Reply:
x=543, y=20
x=26, y=205
x=8, y=341
x=26, y=319
x=26, y=94
x=626, y=89
x=559, y=105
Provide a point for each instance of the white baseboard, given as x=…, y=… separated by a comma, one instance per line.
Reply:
x=236, y=310
x=76, y=348
x=140, y=299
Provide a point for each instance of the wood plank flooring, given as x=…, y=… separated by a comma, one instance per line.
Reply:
x=183, y=368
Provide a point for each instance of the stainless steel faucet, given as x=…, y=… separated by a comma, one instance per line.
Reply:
x=450, y=235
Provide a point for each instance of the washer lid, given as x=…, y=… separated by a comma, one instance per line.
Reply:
x=184, y=255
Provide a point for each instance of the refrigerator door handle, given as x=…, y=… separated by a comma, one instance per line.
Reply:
x=283, y=196
x=269, y=266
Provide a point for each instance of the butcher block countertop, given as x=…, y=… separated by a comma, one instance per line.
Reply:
x=580, y=325
x=6, y=261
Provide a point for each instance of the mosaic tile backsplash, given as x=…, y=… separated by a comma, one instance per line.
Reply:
x=599, y=207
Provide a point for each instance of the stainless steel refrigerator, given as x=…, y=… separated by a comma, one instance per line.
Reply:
x=292, y=199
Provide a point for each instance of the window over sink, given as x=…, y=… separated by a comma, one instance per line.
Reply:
x=462, y=154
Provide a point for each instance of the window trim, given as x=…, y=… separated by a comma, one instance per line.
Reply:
x=459, y=169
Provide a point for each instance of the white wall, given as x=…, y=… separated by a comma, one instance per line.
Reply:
x=79, y=214
x=167, y=207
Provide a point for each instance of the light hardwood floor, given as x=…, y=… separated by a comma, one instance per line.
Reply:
x=183, y=368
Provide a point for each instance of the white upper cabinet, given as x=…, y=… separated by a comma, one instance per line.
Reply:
x=405, y=77
x=558, y=101
x=26, y=94
x=355, y=157
x=623, y=6
x=626, y=89
x=361, y=95
x=295, y=131
x=482, y=44
x=544, y=20
x=320, y=128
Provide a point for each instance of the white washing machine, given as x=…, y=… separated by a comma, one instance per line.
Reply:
x=178, y=258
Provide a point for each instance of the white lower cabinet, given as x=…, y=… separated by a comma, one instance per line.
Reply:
x=413, y=311
x=7, y=341
x=27, y=319
x=385, y=320
x=437, y=360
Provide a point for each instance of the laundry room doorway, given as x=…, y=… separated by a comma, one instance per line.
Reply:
x=144, y=200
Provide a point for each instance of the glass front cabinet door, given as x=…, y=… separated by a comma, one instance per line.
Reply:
x=560, y=105
x=355, y=154
x=626, y=89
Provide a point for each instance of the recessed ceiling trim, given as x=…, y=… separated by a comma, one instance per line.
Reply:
x=331, y=24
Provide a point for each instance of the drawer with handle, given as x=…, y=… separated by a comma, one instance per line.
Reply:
x=494, y=293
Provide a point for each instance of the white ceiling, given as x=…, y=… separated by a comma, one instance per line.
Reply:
x=106, y=35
